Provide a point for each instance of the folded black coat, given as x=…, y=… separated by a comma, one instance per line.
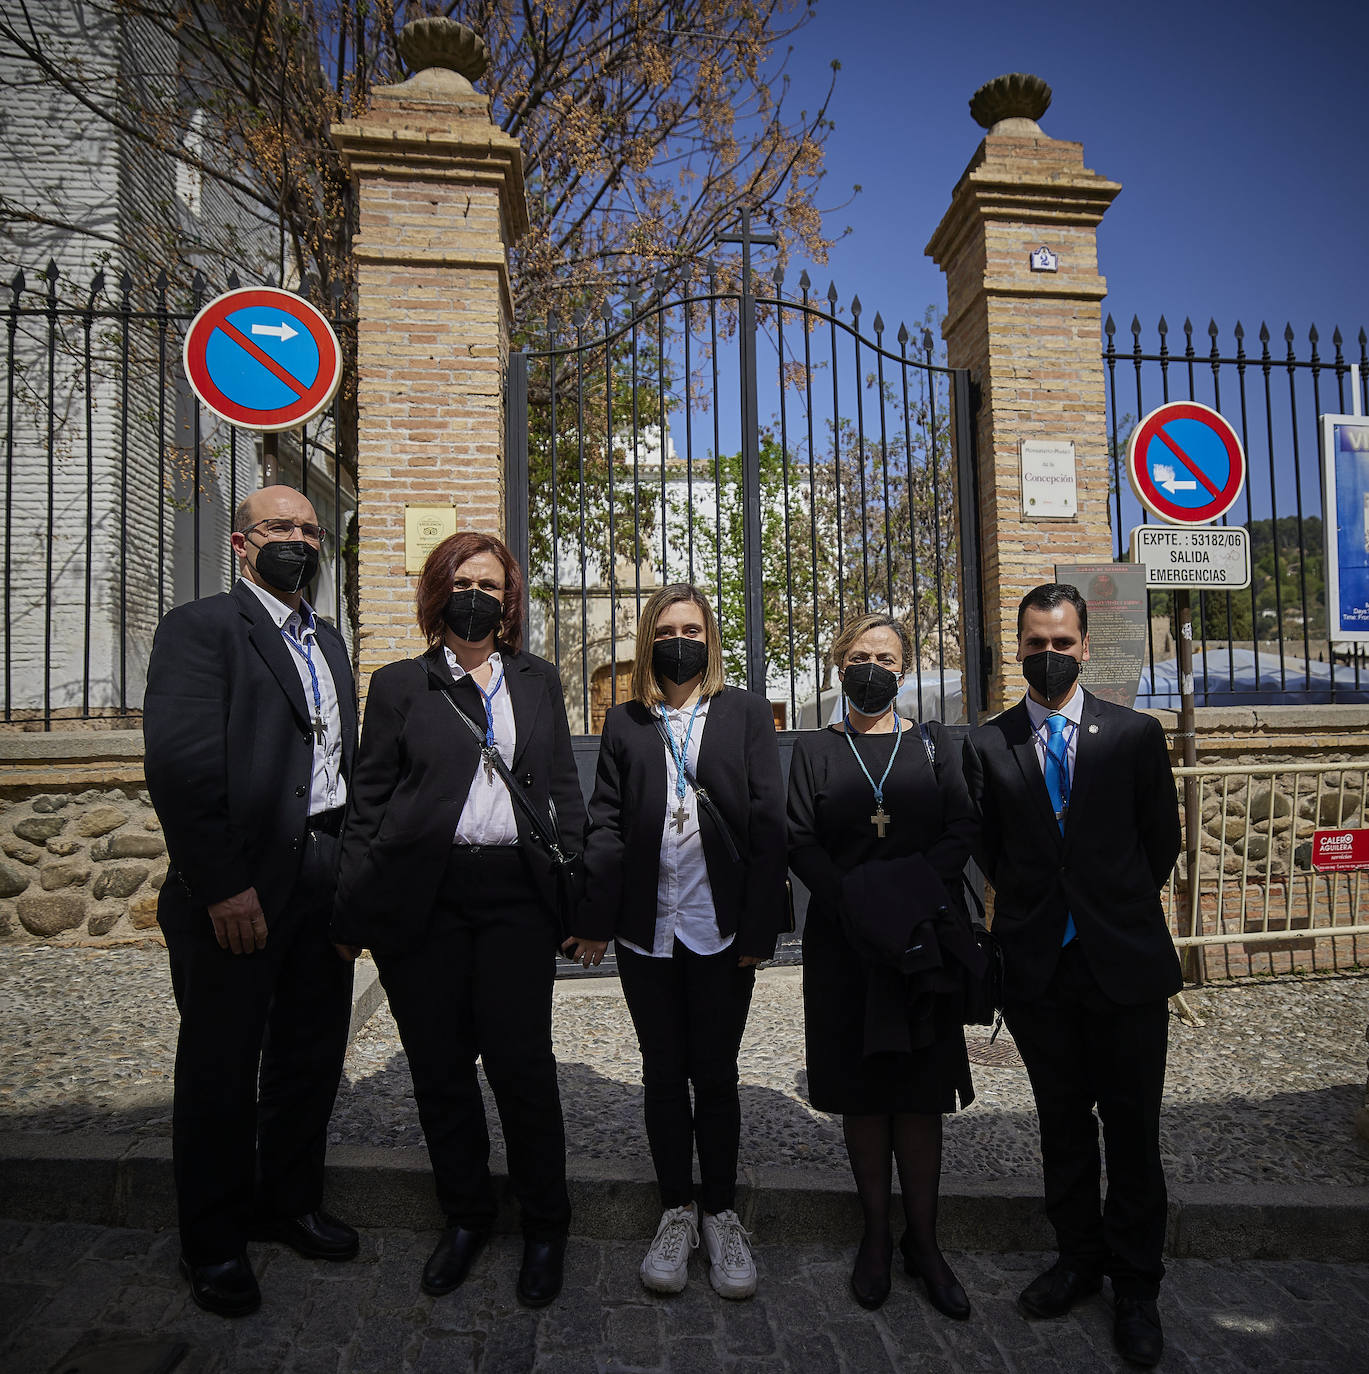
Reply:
x=916, y=943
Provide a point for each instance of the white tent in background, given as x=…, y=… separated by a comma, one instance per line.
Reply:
x=1232, y=677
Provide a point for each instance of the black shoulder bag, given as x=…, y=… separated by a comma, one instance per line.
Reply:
x=708, y=805
x=983, y=996
x=565, y=864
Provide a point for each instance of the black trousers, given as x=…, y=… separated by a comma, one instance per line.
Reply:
x=1082, y=1050
x=258, y=1058
x=689, y=1012
x=479, y=986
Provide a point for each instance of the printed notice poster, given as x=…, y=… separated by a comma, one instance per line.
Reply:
x=1345, y=446
x=1118, y=624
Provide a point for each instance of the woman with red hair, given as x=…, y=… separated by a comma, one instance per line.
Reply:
x=447, y=880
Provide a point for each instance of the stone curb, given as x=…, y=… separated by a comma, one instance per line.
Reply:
x=118, y=1181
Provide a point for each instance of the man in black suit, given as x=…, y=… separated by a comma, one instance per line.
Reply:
x=1079, y=832
x=250, y=727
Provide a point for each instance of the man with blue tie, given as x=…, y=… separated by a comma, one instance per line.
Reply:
x=1079, y=831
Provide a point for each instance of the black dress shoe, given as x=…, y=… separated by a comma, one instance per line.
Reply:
x=539, y=1276
x=950, y=1299
x=227, y=1288
x=1053, y=1293
x=868, y=1290
x=316, y=1235
x=449, y=1264
x=1136, y=1332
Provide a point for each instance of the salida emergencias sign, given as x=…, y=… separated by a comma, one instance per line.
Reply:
x=1214, y=559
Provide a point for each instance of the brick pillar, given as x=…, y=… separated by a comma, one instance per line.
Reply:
x=441, y=199
x=1032, y=340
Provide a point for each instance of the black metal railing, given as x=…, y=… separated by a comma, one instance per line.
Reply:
x=119, y=492
x=1269, y=643
x=640, y=435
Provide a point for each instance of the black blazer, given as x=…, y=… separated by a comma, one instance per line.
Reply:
x=229, y=753
x=414, y=769
x=1118, y=849
x=739, y=767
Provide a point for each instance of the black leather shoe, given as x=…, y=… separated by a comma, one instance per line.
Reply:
x=539, y=1276
x=1053, y=1293
x=227, y=1288
x=317, y=1235
x=869, y=1293
x=449, y=1264
x=950, y=1299
x=870, y=1282
x=1136, y=1332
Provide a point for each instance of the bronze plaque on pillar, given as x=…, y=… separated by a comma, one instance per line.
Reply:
x=1118, y=622
x=425, y=527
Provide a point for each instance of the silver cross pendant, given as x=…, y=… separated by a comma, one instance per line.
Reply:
x=488, y=754
x=319, y=727
x=681, y=816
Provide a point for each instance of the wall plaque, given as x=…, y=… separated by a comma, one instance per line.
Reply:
x=425, y=527
x=1048, y=482
x=1118, y=624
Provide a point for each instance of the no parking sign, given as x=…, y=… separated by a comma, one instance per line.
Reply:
x=262, y=358
x=1185, y=463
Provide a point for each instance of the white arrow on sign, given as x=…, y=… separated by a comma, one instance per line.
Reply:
x=1164, y=477
x=284, y=333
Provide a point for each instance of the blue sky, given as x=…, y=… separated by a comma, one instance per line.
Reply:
x=1236, y=128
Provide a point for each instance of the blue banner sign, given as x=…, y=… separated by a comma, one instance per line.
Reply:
x=1345, y=449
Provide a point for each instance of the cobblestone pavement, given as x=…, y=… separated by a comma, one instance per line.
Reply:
x=71, y=1294
x=92, y=1036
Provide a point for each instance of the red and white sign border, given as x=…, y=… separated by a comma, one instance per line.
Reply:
x=314, y=399
x=1141, y=483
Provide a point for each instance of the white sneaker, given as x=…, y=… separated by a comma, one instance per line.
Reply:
x=666, y=1266
x=732, y=1271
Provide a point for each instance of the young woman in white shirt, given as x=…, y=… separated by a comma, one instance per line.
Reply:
x=684, y=869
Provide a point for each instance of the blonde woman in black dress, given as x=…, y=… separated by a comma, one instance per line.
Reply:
x=880, y=833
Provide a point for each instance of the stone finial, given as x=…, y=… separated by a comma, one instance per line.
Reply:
x=439, y=42
x=1011, y=104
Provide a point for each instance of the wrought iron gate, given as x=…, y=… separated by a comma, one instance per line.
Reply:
x=637, y=455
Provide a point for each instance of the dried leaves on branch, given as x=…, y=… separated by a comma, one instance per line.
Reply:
x=644, y=125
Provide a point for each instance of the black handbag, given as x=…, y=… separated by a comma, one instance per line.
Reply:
x=565, y=864
x=984, y=994
x=708, y=805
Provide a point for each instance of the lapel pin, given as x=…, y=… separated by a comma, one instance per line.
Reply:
x=1093, y=729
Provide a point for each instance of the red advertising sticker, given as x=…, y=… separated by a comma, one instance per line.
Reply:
x=1334, y=850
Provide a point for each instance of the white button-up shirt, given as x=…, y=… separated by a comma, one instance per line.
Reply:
x=327, y=786
x=487, y=817
x=1073, y=711
x=684, y=897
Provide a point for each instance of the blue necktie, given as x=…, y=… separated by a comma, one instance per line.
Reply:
x=1058, y=785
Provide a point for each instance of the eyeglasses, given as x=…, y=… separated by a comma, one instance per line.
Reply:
x=279, y=528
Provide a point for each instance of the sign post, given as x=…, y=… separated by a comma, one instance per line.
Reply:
x=262, y=359
x=1187, y=467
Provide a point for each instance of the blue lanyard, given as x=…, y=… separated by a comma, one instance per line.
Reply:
x=898, y=739
x=305, y=651
x=680, y=755
x=488, y=699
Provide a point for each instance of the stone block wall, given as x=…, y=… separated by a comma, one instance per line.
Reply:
x=81, y=866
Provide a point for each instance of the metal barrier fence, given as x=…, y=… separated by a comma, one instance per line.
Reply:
x=1269, y=643
x=119, y=490
x=1260, y=908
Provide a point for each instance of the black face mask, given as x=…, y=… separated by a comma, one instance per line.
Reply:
x=1050, y=673
x=869, y=688
x=679, y=658
x=473, y=615
x=287, y=565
